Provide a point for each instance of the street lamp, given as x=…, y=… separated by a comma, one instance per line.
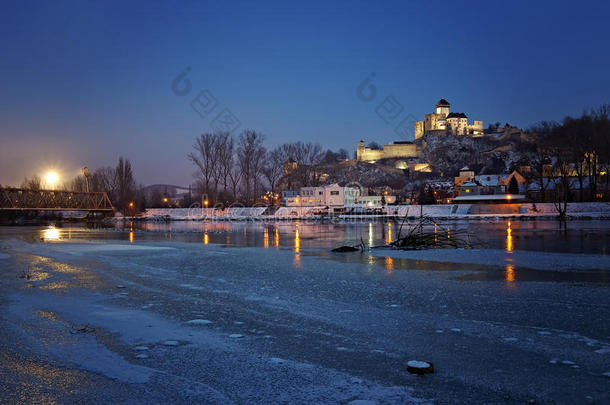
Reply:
x=51, y=179
x=86, y=173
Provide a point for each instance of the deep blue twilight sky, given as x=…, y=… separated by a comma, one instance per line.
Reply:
x=83, y=82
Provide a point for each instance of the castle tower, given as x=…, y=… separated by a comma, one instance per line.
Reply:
x=442, y=107
x=360, y=150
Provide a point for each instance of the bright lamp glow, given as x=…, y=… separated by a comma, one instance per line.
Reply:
x=51, y=178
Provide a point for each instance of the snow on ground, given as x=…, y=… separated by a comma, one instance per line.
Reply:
x=448, y=211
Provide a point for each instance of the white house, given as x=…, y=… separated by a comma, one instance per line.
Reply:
x=324, y=196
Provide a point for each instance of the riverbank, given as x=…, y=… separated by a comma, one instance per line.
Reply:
x=524, y=211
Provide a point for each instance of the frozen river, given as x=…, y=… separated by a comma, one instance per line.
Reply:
x=187, y=312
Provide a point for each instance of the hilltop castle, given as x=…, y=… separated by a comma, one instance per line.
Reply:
x=444, y=122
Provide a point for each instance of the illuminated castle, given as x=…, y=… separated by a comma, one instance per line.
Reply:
x=444, y=122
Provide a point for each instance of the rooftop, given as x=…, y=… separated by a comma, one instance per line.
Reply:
x=456, y=115
x=443, y=103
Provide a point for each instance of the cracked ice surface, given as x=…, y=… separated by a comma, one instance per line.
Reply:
x=313, y=327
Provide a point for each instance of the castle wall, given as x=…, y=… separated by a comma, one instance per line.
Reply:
x=399, y=150
x=368, y=155
x=389, y=151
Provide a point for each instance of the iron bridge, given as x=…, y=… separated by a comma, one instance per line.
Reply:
x=18, y=199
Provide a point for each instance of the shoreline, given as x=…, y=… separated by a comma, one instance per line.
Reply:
x=445, y=212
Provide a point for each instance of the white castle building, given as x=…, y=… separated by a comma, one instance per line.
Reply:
x=444, y=122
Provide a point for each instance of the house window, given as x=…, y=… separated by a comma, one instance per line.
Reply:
x=320, y=193
x=334, y=193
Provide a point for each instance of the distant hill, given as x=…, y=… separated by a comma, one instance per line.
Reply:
x=170, y=189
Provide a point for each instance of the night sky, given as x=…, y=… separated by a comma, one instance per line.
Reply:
x=82, y=83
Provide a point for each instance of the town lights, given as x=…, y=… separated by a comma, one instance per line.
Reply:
x=165, y=199
x=131, y=205
x=206, y=202
x=509, y=197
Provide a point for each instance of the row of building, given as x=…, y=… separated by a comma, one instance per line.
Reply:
x=467, y=188
x=335, y=196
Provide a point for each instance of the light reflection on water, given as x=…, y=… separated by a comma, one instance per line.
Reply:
x=388, y=264
x=591, y=237
x=389, y=239
x=510, y=273
x=509, y=238
x=302, y=238
x=50, y=234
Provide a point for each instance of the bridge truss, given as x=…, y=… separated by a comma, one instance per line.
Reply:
x=15, y=199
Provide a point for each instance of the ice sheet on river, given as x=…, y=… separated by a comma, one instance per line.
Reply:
x=316, y=327
x=496, y=257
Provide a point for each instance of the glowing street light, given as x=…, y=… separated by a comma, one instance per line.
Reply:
x=131, y=205
x=51, y=179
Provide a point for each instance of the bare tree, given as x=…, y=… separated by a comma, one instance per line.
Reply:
x=274, y=166
x=78, y=184
x=602, y=141
x=308, y=157
x=104, y=179
x=561, y=171
x=226, y=152
x=251, y=153
x=205, y=158
x=35, y=183
x=343, y=154
x=541, y=153
x=235, y=175
x=125, y=184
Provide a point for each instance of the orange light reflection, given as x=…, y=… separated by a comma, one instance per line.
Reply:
x=509, y=239
x=510, y=273
x=389, y=264
x=266, y=238
x=297, y=242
